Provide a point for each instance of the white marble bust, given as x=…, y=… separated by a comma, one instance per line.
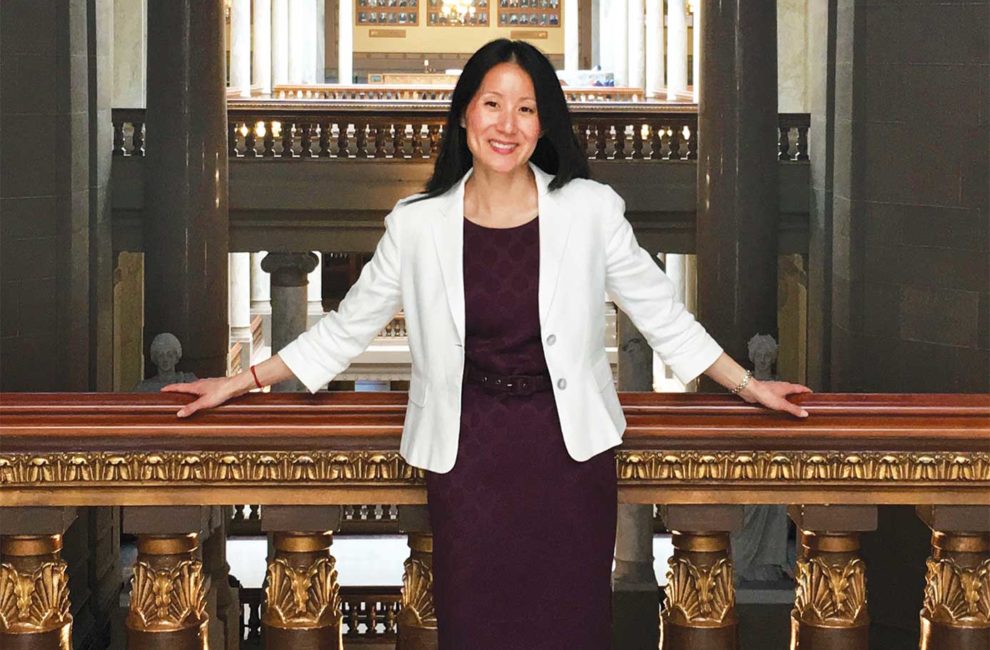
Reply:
x=165, y=354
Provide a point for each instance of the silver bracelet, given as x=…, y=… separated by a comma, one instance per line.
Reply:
x=741, y=386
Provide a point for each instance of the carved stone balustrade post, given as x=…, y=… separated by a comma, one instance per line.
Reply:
x=34, y=582
x=830, y=609
x=699, y=612
x=956, y=610
x=168, y=590
x=417, y=620
x=302, y=597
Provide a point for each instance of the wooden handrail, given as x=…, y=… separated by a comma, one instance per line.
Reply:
x=119, y=449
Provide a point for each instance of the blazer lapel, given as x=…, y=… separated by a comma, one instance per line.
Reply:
x=555, y=226
x=448, y=235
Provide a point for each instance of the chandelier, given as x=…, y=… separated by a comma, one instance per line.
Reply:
x=457, y=12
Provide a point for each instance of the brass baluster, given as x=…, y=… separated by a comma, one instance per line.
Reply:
x=620, y=142
x=601, y=142
x=269, y=140
x=830, y=605
x=380, y=141
x=692, y=141
x=288, y=141
x=700, y=606
x=434, y=140
x=656, y=146
x=675, y=144
x=398, y=140
x=168, y=595
x=417, y=141
x=34, y=612
x=956, y=609
x=343, y=145
x=637, y=142
x=784, y=143
x=250, y=141
x=232, y=139
x=362, y=139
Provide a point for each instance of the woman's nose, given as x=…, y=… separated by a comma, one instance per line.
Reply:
x=507, y=122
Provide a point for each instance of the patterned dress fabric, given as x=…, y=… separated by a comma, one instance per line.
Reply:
x=523, y=535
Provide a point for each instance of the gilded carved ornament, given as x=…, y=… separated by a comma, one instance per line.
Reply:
x=699, y=596
x=830, y=594
x=35, y=601
x=167, y=599
x=957, y=595
x=302, y=597
x=417, y=594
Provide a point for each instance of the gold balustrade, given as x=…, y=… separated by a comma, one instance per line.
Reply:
x=302, y=457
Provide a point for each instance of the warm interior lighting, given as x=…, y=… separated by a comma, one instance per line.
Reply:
x=276, y=129
x=244, y=130
x=259, y=129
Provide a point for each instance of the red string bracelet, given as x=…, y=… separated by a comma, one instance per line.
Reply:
x=255, y=375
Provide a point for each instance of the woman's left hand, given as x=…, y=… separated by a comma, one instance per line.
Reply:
x=773, y=395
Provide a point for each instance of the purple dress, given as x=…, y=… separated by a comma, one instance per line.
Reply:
x=523, y=535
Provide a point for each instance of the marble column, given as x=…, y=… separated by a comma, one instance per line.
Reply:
x=185, y=190
x=301, y=31
x=310, y=41
x=654, y=47
x=571, y=35
x=314, y=290
x=263, y=45
x=320, y=49
x=345, y=43
x=240, y=304
x=289, y=273
x=130, y=40
x=634, y=583
x=261, y=296
x=676, y=49
x=280, y=42
x=636, y=44
x=737, y=173
x=240, y=46
x=696, y=50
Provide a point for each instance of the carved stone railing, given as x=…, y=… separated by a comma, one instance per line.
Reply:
x=412, y=130
x=303, y=457
x=441, y=92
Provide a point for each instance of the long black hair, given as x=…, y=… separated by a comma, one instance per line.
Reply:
x=557, y=151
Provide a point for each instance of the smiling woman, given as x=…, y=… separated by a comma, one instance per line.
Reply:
x=500, y=267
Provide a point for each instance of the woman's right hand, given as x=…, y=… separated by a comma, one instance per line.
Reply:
x=211, y=392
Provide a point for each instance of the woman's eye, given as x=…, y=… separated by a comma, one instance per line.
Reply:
x=491, y=103
x=528, y=109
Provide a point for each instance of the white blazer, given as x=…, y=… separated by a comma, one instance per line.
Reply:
x=587, y=249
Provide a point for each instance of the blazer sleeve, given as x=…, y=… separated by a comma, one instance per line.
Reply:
x=636, y=284
x=326, y=349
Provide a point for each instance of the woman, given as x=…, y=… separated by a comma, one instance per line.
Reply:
x=501, y=267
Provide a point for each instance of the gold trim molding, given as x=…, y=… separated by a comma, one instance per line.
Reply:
x=145, y=469
x=832, y=595
x=957, y=596
x=34, y=602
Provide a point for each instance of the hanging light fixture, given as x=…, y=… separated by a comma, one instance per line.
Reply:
x=458, y=12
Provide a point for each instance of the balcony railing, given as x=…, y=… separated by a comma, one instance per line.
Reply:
x=385, y=92
x=303, y=457
x=412, y=130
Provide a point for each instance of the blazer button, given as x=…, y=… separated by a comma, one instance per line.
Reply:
x=561, y=383
x=551, y=339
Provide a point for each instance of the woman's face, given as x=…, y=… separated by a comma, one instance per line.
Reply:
x=501, y=121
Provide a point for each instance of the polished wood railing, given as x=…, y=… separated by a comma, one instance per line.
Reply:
x=412, y=130
x=302, y=457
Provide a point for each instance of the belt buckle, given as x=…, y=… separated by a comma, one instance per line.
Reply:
x=519, y=385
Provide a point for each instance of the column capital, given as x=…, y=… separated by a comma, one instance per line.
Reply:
x=289, y=269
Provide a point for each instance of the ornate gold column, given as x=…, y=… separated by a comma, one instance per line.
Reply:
x=34, y=594
x=302, y=598
x=956, y=610
x=830, y=606
x=168, y=595
x=699, y=612
x=417, y=620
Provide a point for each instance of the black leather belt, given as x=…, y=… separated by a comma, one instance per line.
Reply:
x=513, y=384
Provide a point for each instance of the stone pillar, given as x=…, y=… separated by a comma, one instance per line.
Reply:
x=676, y=49
x=314, y=291
x=35, y=615
x=300, y=33
x=634, y=584
x=185, y=191
x=130, y=40
x=280, y=42
x=636, y=56
x=240, y=304
x=654, y=47
x=696, y=51
x=320, y=44
x=263, y=45
x=261, y=296
x=737, y=173
x=345, y=43
x=571, y=35
x=289, y=273
x=240, y=46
